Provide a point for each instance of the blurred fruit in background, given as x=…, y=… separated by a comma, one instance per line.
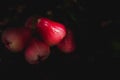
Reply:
x=16, y=39
x=67, y=45
x=36, y=51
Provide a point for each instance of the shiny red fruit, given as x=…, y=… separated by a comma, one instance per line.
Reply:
x=15, y=39
x=36, y=51
x=52, y=32
x=67, y=45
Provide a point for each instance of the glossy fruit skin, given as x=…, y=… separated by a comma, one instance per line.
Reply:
x=15, y=39
x=52, y=32
x=36, y=51
x=67, y=45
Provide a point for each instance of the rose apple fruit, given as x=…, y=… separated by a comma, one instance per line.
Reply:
x=30, y=23
x=67, y=45
x=15, y=39
x=51, y=32
x=36, y=51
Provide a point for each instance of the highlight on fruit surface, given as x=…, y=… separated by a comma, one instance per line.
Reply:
x=67, y=45
x=15, y=39
x=36, y=51
x=52, y=32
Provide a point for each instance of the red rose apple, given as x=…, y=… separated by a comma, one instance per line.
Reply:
x=15, y=39
x=52, y=32
x=30, y=22
x=36, y=51
x=67, y=45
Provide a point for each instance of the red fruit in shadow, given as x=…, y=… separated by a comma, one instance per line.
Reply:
x=15, y=39
x=52, y=32
x=36, y=51
x=30, y=22
x=67, y=45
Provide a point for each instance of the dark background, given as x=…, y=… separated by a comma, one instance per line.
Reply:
x=95, y=26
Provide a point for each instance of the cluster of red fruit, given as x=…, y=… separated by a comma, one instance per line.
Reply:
x=51, y=33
